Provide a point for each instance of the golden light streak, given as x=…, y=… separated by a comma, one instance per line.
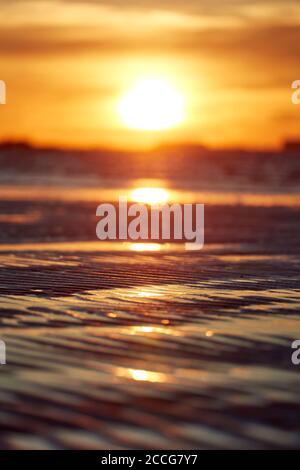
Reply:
x=150, y=195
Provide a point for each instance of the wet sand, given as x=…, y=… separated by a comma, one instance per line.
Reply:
x=114, y=348
x=111, y=346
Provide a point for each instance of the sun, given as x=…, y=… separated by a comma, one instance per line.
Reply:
x=152, y=104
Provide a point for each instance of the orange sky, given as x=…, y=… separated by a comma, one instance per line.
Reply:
x=67, y=63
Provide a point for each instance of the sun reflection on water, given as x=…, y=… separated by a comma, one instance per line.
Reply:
x=150, y=195
x=145, y=246
x=141, y=375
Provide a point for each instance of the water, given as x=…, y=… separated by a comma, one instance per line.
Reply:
x=115, y=345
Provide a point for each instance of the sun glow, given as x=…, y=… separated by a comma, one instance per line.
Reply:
x=145, y=247
x=152, y=104
x=150, y=195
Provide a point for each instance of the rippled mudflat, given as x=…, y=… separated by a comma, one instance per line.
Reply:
x=119, y=345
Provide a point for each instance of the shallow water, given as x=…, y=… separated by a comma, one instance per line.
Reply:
x=111, y=345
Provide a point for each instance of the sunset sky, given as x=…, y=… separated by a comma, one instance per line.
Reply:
x=67, y=64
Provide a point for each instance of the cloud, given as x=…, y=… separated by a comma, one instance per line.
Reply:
x=261, y=53
x=270, y=42
x=246, y=9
